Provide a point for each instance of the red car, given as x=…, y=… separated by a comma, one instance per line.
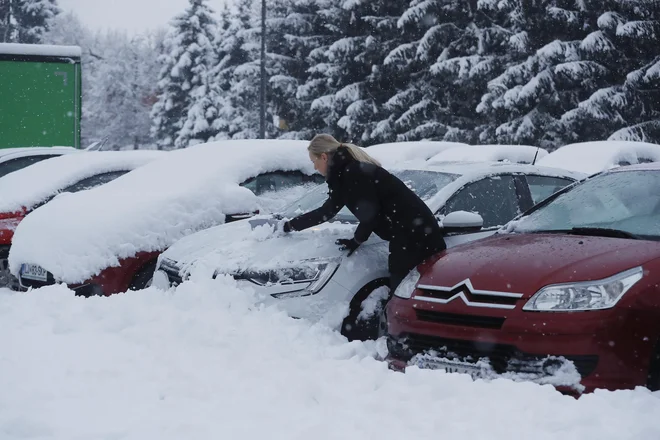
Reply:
x=572, y=281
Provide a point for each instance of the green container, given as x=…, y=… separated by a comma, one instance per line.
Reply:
x=40, y=95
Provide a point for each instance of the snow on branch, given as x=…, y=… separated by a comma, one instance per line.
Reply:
x=563, y=15
x=349, y=93
x=416, y=14
x=610, y=21
x=645, y=132
x=401, y=55
x=439, y=35
x=519, y=41
x=597, y=42
x=580, y=70
x=637, y=29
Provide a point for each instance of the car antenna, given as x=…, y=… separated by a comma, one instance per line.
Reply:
x=536, y=154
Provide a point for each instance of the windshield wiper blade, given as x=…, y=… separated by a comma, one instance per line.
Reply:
x=604, y=232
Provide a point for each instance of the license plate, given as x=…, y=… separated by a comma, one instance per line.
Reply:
x=450, y=366
x=34, y=272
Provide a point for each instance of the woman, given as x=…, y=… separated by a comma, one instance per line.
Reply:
x=382, y=203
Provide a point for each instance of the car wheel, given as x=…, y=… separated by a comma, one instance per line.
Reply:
x=143, y=277
x=362, y=326
x=653, y=382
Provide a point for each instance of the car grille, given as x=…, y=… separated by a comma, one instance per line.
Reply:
x=475, y=297
x=502, y=357
x=460, y=320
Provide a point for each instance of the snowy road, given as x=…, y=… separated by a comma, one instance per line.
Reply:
x=204, y=363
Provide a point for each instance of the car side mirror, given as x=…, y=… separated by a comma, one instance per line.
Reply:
x=462, y=221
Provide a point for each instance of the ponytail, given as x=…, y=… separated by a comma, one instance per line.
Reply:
x=325, y=143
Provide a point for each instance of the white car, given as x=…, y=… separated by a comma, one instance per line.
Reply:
x=14, y=159
x=306, y=275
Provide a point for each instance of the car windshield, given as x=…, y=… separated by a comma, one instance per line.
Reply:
x=626, y=203
x=424, y=183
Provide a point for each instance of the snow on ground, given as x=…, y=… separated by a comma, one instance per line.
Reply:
x=593, y=157
x=204, y=362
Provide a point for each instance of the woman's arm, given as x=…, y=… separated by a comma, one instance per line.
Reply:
x=320, y=215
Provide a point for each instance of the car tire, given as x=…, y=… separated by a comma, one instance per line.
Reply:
x=142, y=279
x=653, y=382
x=354, y=328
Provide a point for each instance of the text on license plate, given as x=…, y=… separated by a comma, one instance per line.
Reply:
x=434, y=363
x=34, y=272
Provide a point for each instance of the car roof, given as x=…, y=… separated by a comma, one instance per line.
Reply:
x=650, y=166
x=477, y=169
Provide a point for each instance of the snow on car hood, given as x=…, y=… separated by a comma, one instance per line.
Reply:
x=76, y=236
x=27, y=187
x=236, y=246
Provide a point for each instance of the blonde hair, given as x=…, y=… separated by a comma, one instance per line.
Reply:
x=325, y=143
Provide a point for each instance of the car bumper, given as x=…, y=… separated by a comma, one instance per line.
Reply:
x=609, y=349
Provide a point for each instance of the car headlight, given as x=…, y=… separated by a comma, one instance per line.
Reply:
x=311, y=275
x=586, y=295
x=407, y=286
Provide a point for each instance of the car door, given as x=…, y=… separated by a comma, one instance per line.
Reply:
x=495, y=198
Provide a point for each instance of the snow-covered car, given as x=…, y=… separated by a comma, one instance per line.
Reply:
x=309, y=277
x=594, y=157
x=393, y=153
x=27, y=189
x=492, y=152
x=13, y=159
x=106, y=240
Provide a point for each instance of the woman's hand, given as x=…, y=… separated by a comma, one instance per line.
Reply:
x=347, y=244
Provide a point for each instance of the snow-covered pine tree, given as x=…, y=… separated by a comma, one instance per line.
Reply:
x=25, y=21
x=628, y=108
x=295, y=29
x=454, y=48
x=186, y=61
x=237, y=75
x=525, y=103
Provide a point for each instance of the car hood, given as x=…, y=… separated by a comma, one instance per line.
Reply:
x=236, y=246
x=524, y=263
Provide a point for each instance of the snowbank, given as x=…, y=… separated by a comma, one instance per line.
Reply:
x=396, y=152
x=593, y=157
x=151, y=207
x=497, y=153
x=31, y=185
x=203, y=362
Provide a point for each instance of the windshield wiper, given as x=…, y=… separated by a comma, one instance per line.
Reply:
x=593, y=231
x=604, y=232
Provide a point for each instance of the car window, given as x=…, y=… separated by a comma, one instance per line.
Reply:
x=279, y=180
x=93, y=181
x=494, y=198
x=628, y=201
x=21, y=162
x=542, y=187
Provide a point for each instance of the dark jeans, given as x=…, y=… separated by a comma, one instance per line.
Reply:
x=404, y=257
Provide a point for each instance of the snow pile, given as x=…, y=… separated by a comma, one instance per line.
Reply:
x=485, y=153
x=396, y=152
x=25, y=188
x=593, y=157
x=45, y=50
x=151, y=207
x=203, y=362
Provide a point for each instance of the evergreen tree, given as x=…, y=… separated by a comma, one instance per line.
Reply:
x=188, y=55
x=628, y=108
x=525, y=103
x=25, y=21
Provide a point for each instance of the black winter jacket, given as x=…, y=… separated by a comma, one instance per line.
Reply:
x=381, y=202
